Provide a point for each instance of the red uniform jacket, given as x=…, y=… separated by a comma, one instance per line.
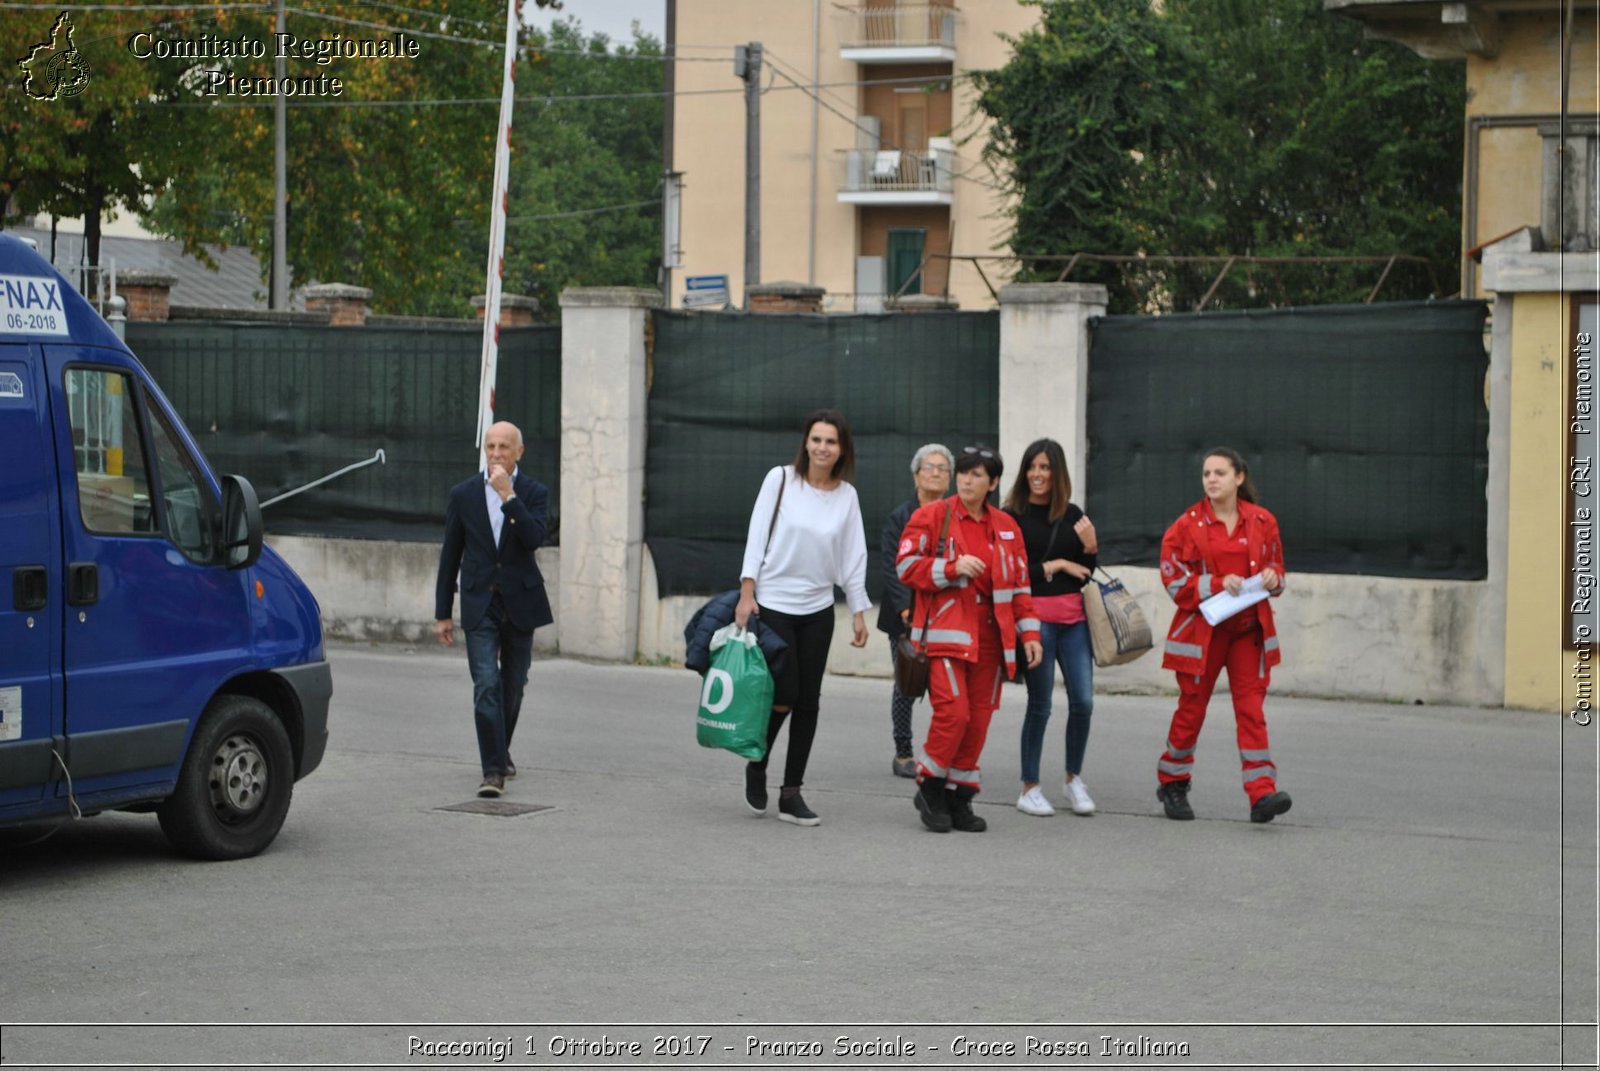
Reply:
x=1189, y=571
x=948, y=603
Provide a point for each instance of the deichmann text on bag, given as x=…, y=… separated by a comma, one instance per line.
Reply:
x=736, y=697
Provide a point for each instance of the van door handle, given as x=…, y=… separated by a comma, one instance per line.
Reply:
x=83, y=583
x=30, y=588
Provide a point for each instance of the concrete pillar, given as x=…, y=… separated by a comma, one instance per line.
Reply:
x=1044, y=371
x=603, y=398
x=148, y=293
x=346, y=305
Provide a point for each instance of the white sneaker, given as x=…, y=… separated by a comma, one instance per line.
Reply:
x=1078, y=797
x=1033, y=802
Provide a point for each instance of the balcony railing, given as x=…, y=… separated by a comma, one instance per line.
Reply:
x=898, y=26
x=897, y=175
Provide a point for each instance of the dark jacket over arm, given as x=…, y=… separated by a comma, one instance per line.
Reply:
x=896, y=596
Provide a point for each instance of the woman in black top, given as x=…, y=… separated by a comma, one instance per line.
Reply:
x=1061, y=547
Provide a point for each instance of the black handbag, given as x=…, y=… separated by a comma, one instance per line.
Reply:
x=911, y=656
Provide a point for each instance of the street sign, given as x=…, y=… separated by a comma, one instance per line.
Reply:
x=705, y=291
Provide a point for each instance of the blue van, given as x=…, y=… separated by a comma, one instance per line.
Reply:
x=153, y=654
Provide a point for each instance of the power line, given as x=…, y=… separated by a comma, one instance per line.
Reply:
x=584, y=212
x=551, y=99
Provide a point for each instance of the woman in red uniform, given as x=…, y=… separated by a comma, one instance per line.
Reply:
x=1218, y=543
x=967, y=566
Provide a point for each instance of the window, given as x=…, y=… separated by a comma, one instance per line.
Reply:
x=113, y=478
x=185, y=500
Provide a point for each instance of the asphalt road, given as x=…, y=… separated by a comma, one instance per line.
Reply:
x=1430, y=900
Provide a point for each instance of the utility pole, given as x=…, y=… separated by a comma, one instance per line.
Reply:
x=280, y=195
x=747, y=65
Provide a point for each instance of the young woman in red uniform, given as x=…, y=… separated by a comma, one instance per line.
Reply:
x=966, y=562
x=1215, y=545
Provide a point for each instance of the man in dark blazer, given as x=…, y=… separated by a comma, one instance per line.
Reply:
x=495, y=521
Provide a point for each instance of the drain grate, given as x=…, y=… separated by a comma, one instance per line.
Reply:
x=498, y=808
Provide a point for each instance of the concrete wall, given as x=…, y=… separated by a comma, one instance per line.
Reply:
x=382, y=591
x=1343, y=636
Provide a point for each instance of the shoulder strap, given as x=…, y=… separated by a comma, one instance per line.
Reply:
x=944, y=530
x=773, y=523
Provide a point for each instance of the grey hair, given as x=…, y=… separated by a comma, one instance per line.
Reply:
x=931, y=448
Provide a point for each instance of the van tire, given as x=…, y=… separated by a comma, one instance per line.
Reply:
x=235, y=783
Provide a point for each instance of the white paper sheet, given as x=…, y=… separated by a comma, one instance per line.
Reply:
x=1222, y=606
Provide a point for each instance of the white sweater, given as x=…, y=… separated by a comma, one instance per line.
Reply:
x=818, y=542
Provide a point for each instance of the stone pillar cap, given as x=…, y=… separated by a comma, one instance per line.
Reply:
x=602, y=297
x=333, y=291
x=787, y=289
x=1053, y=294
x=508, y=301
x=137, y=277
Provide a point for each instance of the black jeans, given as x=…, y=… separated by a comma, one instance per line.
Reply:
x=799, y=686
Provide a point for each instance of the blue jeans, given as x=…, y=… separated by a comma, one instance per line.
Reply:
x=498, y=655
x=1068, y=646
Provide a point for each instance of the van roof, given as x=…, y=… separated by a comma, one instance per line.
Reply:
x=29, y=282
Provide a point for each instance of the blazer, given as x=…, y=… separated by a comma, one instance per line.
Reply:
x=469, y=548
x=896, y=596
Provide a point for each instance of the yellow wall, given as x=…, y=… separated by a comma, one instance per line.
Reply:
x=709, y=144
x=1538, y=472
x=1523, y=79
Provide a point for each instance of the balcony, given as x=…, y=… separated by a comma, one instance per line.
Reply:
x=898, y=33
x=897, y=177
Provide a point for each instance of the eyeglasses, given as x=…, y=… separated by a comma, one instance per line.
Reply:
x=990, y=454
x=935, y=469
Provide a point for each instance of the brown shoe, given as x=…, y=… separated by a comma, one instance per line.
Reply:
x=493, y=785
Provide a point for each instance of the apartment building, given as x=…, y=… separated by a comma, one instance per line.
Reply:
x=871, y=143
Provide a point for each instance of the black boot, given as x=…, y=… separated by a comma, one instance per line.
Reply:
x=931, y=804
x=961, y=816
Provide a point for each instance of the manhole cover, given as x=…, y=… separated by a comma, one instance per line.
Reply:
x=499, y=808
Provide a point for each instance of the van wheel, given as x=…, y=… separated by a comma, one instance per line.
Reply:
x=234, y=787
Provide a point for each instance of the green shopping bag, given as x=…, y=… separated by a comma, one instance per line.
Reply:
x=736, y=698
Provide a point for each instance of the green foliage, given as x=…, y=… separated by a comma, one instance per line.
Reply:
x=1221, y=127
x=389, y=186
x=77, y=154
x=574, y=156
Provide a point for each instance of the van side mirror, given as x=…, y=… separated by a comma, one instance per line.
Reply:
x=241, y=523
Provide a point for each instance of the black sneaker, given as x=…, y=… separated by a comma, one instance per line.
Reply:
x=1270, y=806
x=794, y=809
x=755, y=789
x=1175, y=798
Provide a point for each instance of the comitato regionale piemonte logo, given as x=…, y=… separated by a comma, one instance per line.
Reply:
x=54, y=68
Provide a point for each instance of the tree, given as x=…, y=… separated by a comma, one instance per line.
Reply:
x=73, y=130
x=1221, y=127
x=390, y=183
x=586, y=174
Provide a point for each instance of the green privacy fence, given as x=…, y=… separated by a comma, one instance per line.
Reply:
x=1365, y=427
x=287, y=404
x=728, y=395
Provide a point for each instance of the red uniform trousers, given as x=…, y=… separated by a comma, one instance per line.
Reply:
x=964, y=697
x=1236, y=644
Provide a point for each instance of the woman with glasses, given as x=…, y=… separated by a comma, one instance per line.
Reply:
x=1222, y=543
x=1061, y=546
x=805, y=536
x=930, y=475
x=967, y=564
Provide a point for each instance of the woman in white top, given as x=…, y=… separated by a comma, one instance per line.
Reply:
x=805, y=537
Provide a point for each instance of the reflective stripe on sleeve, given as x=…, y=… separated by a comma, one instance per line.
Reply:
x=1027, y=624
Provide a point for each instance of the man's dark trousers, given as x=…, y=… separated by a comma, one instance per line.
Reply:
x=498, y=655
